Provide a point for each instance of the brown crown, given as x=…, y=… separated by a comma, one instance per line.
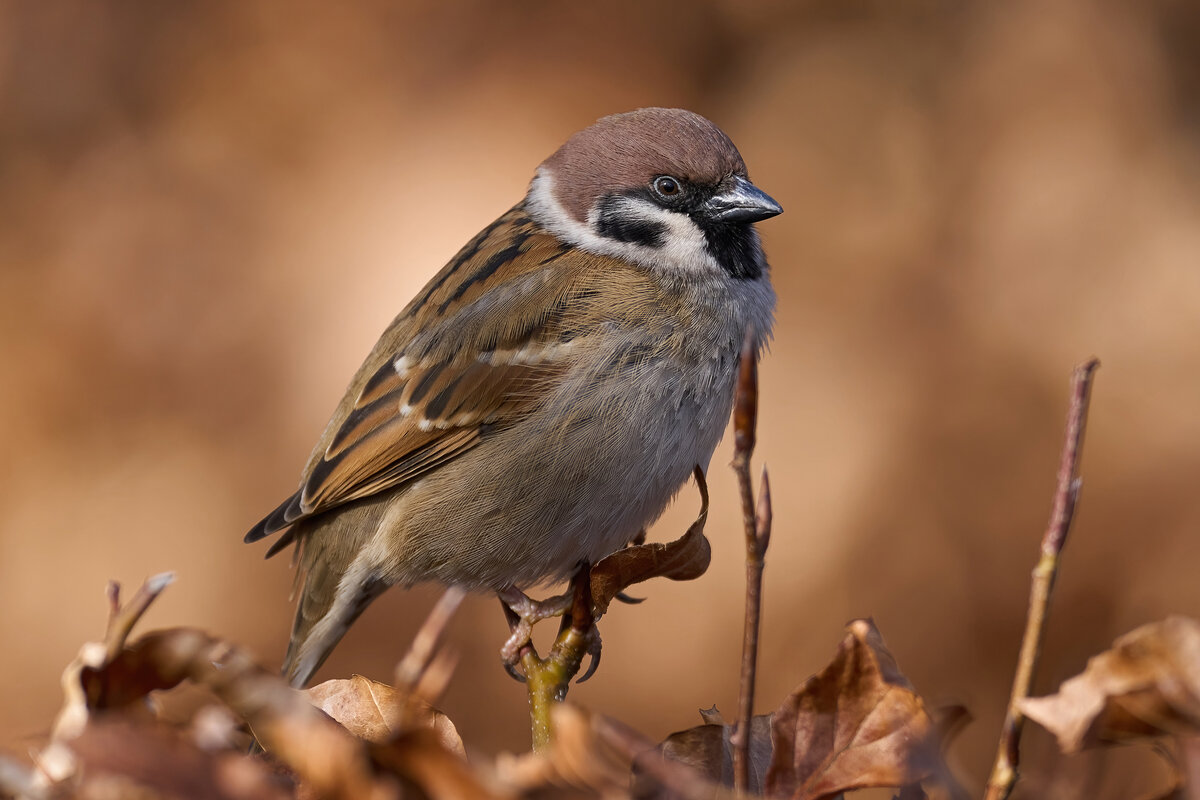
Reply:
x=623, y=151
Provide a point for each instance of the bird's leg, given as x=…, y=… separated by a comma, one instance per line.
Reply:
x=582, y=619
x=547, y=679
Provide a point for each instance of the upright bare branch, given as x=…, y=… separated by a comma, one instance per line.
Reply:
x=1066, y=495
x=756, y=522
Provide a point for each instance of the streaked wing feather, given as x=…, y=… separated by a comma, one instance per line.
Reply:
x=376, y=451
x=455, y=366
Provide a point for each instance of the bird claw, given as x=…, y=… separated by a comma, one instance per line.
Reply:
x=628, y=599
x=514, y=673
x=593, y=651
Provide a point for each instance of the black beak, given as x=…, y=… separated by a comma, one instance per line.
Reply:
x=740, y=201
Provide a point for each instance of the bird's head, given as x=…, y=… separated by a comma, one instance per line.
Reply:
x=661, y=187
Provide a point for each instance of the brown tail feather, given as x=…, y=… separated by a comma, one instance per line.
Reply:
x=312, y=642
x=336, y=589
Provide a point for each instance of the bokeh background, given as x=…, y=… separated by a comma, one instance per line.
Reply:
x=209, y=210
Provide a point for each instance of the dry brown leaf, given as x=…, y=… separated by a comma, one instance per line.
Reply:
x=1186, y=765
x=366, y=708
x=856, y=724
x=147, y=759
x=421, y=759
x=707, y=750
x=103, y=748
x=684, y=559
x=373, y=711
x=948, y=722
x=322, y=753
x=1147, y=684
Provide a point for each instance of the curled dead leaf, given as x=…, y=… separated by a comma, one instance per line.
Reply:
x=111, y=681
x=320, y=752
x=106, y=745
x=684, y=559
x=856, y=724
x=366, y=708
x=84, y=680
x=1147, y=684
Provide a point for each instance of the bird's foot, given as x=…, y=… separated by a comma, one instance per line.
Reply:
x=575, y=608
x=523, y=612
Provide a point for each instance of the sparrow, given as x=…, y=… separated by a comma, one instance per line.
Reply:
x=548, y=392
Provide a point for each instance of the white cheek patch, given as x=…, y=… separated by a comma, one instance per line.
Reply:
x=684, y=250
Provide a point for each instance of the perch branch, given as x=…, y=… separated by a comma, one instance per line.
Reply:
x=547, y=679
x=1004, y=770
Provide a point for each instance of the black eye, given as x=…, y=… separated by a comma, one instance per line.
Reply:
x=667, y=186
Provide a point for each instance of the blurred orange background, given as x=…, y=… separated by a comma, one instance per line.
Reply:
x=209, y=211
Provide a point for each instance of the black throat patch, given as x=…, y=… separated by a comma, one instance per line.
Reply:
x=735, y=247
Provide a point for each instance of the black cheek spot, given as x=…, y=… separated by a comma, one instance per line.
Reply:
x=615, y=221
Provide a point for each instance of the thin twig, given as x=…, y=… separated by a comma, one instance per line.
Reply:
x=424, y=672
x=1004, y=771
x=428, y=639
x=121, y=619
x=756, y=522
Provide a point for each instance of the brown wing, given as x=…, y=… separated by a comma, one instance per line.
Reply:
x=454, y=366
x=417, y=419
